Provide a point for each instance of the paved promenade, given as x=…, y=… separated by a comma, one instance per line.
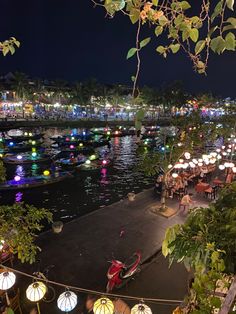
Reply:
x=82, y=250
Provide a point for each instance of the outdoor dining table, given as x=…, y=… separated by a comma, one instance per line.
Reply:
x=202, y=187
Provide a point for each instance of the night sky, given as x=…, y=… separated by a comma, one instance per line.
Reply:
x=71, y=40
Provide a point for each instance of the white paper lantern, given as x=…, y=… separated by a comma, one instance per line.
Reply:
x=174, y=175
x=221, y=167
x=103, y=306
x=234, y=169
x=141, y=309
x=187, y=155
x=170, y=166
x=67, y=301
x=36, y=291
x=7, y=280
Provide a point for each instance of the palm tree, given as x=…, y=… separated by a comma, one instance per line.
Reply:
x=21, y=86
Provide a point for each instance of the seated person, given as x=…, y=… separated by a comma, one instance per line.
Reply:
x=186, y=200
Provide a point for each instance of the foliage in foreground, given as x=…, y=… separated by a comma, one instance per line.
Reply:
x=9, y=45
x=19, y=225
x=2, y=172
x=206, y=244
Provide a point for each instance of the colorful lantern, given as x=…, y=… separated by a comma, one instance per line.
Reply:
x=17, y=178
x=19, y=157
x=103, y=306
x=46, y=173
x=36, y=291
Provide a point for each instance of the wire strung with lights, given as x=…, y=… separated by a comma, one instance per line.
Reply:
x=67, y=301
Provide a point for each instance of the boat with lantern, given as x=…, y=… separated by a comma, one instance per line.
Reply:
x=13, y=147
x=19, y=183
x=26, y=158
x=70, y=163
x=25, y=136
x=94, y=165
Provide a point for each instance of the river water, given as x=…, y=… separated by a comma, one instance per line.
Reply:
x=87, y=191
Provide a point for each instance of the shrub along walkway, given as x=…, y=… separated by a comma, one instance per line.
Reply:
x=81, y=251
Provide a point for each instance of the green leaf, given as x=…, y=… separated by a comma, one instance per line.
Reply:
x=215, y=302
x=217, y=10
x=228, y=28
x=217, y=44
x=230, y=41
x=174, y=48
x=184, y=5
x=144, y=42
x=185, y=34
x=163, y=20
x=230, y=4
x=155, y=2
x=232, y=21
x=5, y=50
x=131, y=52
x=132, y=78
x=134, y=15
x=12, y=49
x=158, y=30
x=160, y=49
x=194, y=34
x=17, y=43
x=200, y=46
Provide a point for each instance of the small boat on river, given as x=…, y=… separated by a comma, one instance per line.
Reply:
x=34, y=182
x=26, y=158
x=94, y=165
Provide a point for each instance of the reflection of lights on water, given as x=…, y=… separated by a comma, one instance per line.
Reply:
x=18, y=197
x=34, y=169
x=19, y=157
x=17, y=178
x=20, y=171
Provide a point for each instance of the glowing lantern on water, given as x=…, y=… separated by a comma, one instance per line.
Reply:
x=104, y=162
x=67, y=301
x=67, y=139
x=141, y=309
x=26, y=133
x=7, y=280
x=103, y=306
x=17, y=178
x=108, y=132
x=19, y=157
x=30, y=134
x=46, y=173
x=34, y=154
x=116, y=132
x=87, y=162
x=1, y=155
x=33, y=149
x=81, y=144
x=33, y=143
x=84, y=133
x=72, y=138
x=72, y=146
x=174, y=175
x=221, y=167
x=11, y=144
x=92, y=157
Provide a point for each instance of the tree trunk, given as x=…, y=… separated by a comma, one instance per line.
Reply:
x=163, y=194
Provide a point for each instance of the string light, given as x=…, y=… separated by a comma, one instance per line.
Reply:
x=67, y=301
x=141, y=309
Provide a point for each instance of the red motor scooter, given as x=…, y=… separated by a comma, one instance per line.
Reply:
x=119, y=273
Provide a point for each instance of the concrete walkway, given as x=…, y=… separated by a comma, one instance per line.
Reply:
x=82, y=251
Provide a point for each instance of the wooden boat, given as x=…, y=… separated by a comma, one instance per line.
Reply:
x=67, y=163
x=20, y=147
x=22, y=138
x=94, y=165
x=34, y=182
x=26, y=158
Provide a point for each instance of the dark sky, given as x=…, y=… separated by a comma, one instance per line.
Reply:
x=71, y=40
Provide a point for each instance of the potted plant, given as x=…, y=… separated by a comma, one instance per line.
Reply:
x=57, y=226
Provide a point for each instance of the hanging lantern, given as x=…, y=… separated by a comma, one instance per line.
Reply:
x=221, y=167
x=87, y=162
x=67, y=301
x=174, y=175
x=234, y=169
x=181, y=160
x=7, y=280
x=103, y=306
x=185, y=165
x=36, y=291
x=170, y=166
x=141, y=309
x=200, y=164
x=187, y=155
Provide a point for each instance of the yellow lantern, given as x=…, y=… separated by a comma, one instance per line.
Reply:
x=103, y=306
x=46, y=173
x=35, y=292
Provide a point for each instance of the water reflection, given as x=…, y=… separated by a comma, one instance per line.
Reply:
x=88, y=190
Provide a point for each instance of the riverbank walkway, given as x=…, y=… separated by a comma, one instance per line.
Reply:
x=82, y=250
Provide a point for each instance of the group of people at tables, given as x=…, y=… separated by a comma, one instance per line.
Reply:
x=198, y=177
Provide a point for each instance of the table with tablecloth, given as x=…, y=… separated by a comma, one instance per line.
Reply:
x=202, y=187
